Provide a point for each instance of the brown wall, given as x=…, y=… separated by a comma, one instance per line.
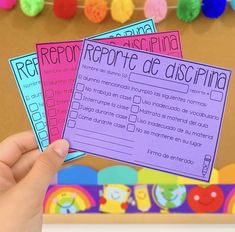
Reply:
x=204, y=40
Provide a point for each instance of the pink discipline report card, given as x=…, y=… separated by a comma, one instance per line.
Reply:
x=58, y=73
x=58, y=63
x=147, y=109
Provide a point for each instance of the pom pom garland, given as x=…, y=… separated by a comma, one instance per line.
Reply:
x=188, y=10
x=95, y=10
x=232, y=4
x=31, y=8
x=7, y=4
x=156, y=9
x=213, y=8
x=65, y=9
x=122, y=10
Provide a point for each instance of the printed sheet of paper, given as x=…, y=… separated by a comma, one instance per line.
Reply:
x=147, y=109
x=58, y=63
x=26, y=74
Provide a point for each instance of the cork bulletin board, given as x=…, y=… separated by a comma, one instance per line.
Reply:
x=204, y=40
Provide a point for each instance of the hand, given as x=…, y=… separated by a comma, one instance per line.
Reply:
x=24, y=178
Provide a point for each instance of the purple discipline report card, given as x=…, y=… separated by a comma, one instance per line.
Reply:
x=147, y=109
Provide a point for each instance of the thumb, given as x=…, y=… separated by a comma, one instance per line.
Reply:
x=45, y=167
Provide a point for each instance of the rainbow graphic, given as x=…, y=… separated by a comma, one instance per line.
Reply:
x=229, y=205
x=67, y=200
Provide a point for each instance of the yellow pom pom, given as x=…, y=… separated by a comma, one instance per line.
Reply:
x=122, y=10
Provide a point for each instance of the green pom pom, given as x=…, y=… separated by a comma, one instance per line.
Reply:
x=31, y=8
x=188, y=10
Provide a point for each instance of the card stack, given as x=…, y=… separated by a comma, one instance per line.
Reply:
x=126, y=95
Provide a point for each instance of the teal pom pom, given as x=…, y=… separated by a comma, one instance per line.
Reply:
x=31, y=8
x=232, y=4
x=188, y=10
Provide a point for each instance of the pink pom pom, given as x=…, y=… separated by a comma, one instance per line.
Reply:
x=156, y=9
x=7, y=4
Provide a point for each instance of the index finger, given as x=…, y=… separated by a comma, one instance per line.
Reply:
x=14, y=146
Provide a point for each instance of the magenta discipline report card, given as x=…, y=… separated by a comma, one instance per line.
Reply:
x=147, y=109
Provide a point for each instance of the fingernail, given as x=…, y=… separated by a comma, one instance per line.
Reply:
x=61, y=147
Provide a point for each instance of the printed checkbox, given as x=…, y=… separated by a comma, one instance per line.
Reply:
x=44, y=143
x=42, y=135
x=49, y=93
x=130, y=127
x=216, y=95
x=80, y=87
x=73, y=114
x=134, y=109
x=52, y=121
x=54, y=131
x=33, y=107
x=36, y=116
x=40, y=126
x=50, y=103
x=52, y=113
x=78, y=96
x=75, y=105
x=71, y=123
x=132, y=118
x=137, y=99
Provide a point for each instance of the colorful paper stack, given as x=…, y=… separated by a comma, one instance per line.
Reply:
x=126, y=95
